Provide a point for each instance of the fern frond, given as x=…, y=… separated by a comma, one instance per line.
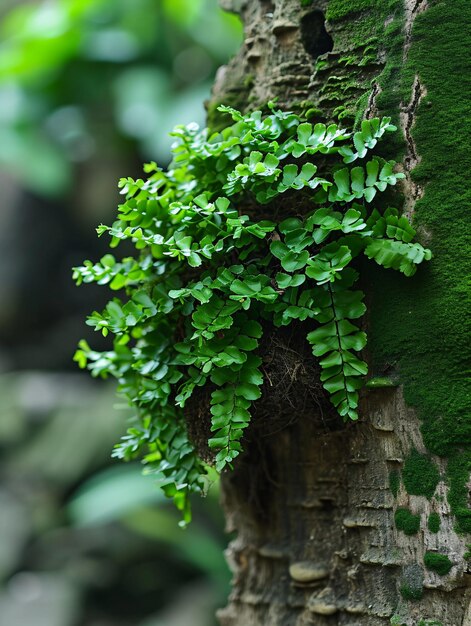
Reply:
x=397, y=255
x=335, y=341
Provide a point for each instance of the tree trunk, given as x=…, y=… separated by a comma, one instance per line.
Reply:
x=366, y=524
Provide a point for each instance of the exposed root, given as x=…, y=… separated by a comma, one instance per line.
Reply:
x=291, y=391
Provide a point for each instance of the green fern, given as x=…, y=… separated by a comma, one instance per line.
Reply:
x=205, y=271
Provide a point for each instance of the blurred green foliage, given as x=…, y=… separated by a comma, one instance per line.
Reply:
x=88, y=543
x=80, y=77
x=88, y=90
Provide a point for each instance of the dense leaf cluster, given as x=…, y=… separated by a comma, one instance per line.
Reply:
x=207, y=272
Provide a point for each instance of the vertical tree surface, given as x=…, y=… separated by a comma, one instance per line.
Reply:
x=366, y=523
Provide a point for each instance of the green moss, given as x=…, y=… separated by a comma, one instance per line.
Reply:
x=342, y=79
x=419, y=324
x=249, y=80
x=306, y=3
x=411, y=593
x=459, y=466
x=394, y=482
x=438, y=563
x=412, y=582
x=420, y=475
x=407, y=521
x=339, y=9
x=215, y=120
x=309, y=110
x=429, y=622
x=313, y=112
x=433, y=522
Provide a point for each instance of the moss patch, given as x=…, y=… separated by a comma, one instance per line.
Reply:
x=419, y=325
x=433, y=522
x=394, y=482
x=358, y=27
x=217, y=120
x=339, y=9
x=412, y=582
x=407, y=521
x=420, y=475
x=411, y=593
x=459, y=467
x=438, y=563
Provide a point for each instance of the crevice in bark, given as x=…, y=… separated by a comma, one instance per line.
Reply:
x=412, y=190
x=371, y=110
x=412, y=8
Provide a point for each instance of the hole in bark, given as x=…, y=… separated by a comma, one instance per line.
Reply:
x=316, y=40
x=328, y=504
x=268, y=6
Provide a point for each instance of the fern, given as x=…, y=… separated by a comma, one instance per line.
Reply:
x=334, y=341
x=238, y=388
x=397, y=255
x=206, y=270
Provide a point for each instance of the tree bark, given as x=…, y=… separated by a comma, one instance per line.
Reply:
x=315, y=507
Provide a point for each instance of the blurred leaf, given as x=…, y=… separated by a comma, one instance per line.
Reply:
x=183, y=12
x=196, y=544
x=29, y=156
x=77, y=54
x=122, y=494
x=61, y=450
x=111, y=494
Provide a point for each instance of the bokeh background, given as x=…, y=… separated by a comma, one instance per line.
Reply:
x=88, y=92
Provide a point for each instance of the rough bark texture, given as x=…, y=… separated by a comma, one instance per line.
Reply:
x=335, y=527
x=319, y=544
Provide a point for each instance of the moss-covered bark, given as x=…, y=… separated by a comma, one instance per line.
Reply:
x=352, y=527
x=422, y=326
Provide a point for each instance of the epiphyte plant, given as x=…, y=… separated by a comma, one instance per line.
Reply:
x=250, y=228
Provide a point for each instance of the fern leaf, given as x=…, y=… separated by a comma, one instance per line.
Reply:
x=238, y=387
x=336, y=340
x=397, y=255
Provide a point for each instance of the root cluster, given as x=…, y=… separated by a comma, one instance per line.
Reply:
x=291, y=391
